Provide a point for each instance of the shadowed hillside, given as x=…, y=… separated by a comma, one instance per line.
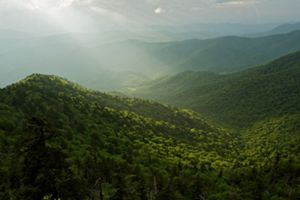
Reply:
x=238, y=99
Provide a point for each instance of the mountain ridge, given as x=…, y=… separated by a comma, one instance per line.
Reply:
x=136, y=148
x=227, y=94
x=108, y=64
x=280, y=29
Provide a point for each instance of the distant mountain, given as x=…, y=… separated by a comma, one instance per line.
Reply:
x=59, y=140
x=102, y=66
x=14, y=34
x=281, y=29
x=66, y=56
x=207, y=31
x=222, y=55
x=238, y=99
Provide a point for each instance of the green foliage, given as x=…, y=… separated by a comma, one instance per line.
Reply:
x=237, y=100
x=221, y=55
x=61, y=141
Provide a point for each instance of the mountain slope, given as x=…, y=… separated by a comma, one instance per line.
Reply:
x=238, y=99
x=135, y=137
x=112, y=66
x=226, y=54
x=61, y=141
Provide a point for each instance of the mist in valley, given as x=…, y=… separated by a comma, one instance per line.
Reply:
x=113, y=45
x=149, y=99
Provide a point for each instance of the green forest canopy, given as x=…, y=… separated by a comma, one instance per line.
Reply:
x=62, y=141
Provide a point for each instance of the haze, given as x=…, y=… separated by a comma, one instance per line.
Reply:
x=149, y=99
x=100, y=37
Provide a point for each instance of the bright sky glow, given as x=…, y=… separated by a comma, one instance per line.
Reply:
x=108, y=13
x=49, y=4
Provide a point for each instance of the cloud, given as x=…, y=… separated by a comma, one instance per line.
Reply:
x=228, y=1
x=170, y=11
x=235, y=2
x=110, y=14
x=83, y=2
x=34, y=4
x=56, y=4
x=159, y=10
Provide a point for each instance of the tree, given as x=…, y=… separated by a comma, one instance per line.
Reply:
x=44, y=170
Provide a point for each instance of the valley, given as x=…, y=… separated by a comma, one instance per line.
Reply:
x=149, y=100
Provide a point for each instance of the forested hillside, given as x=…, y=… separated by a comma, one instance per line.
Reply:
x=238, y=99
x=222, y=55
x=62, y=141
x=120, y=65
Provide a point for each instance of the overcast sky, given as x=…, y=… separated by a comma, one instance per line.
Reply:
x=24, y=13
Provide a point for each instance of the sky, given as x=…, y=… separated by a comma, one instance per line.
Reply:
x=86, y=14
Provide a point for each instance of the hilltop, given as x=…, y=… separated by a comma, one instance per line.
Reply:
x=123, y=148
x=134, y=137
